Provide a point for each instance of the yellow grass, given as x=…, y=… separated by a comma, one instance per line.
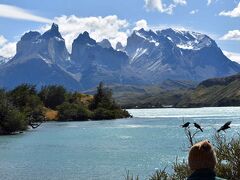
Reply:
x=50, y=114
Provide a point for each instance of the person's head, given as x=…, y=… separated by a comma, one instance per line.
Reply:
x=202, y=156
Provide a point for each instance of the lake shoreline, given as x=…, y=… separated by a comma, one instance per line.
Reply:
x=182, y=107
x=106, y=148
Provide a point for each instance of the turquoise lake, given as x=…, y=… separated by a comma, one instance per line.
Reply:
x=104, y=150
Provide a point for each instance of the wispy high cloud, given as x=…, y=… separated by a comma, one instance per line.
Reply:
x=13, y=12
x=231, y=35
x=161, y=7
x=233, y=13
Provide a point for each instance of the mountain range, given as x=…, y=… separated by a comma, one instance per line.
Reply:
x=149, y=58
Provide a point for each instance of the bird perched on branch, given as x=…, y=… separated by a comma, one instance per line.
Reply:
x=186, y=125
x=198, y=126
x=225, y=126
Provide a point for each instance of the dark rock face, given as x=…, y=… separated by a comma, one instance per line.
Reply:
x=119, y=46
x=53, y=32
x=39, y=60
x=50, y=47
x=105, y=44
x=86, y=52
x=96, y=63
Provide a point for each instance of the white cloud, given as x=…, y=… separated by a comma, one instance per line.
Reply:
x=194, y=11
x=3, y=40
x=13, y=12
x=161, y=7
x=231, y=35
x=181, y=2
x=158, y=5
x=99, y=28
x=209, y=2
x=141, y=24
x=234, y=13
x=233, y=56
x=7, y=49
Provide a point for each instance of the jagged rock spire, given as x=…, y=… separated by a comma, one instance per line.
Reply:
x=53, y=32
x=84, y=38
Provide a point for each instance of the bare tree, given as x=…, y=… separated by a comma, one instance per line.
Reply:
x=190, y=134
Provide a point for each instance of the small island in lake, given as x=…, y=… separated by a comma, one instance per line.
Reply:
x=24, y=106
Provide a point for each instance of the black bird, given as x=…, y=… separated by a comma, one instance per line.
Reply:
x=186, y=125
x=198, y=126
x=225, y=126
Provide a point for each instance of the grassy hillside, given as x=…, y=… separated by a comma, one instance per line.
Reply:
x=214, y=92
x=146, y=96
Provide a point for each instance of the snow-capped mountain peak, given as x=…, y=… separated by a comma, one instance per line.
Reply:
x=176, y=54
x=187, y=39
x=147, y=35
x=148, y=58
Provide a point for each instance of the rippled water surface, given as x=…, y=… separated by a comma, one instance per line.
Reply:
x=104, y=150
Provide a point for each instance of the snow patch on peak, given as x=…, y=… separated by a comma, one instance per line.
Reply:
x=59, y=39
x=140, y=35
x=155, y=42
x=169, y=38
x=185, y=46
x=186, y=39
x=148, y=36
x=139, y=52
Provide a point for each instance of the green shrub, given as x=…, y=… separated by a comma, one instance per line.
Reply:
x=130, y=176
x=53, y=96
x=11, y=119
x=180, y=171
x=26, y=100
x=23, y=95
x=73, y=112
x=104, y=106
x=228, y=154
x=159, y=175
x=101, y=113
x=14, y=121
x=106, y=114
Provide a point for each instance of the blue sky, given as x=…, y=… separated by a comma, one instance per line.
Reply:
x=115, y=19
